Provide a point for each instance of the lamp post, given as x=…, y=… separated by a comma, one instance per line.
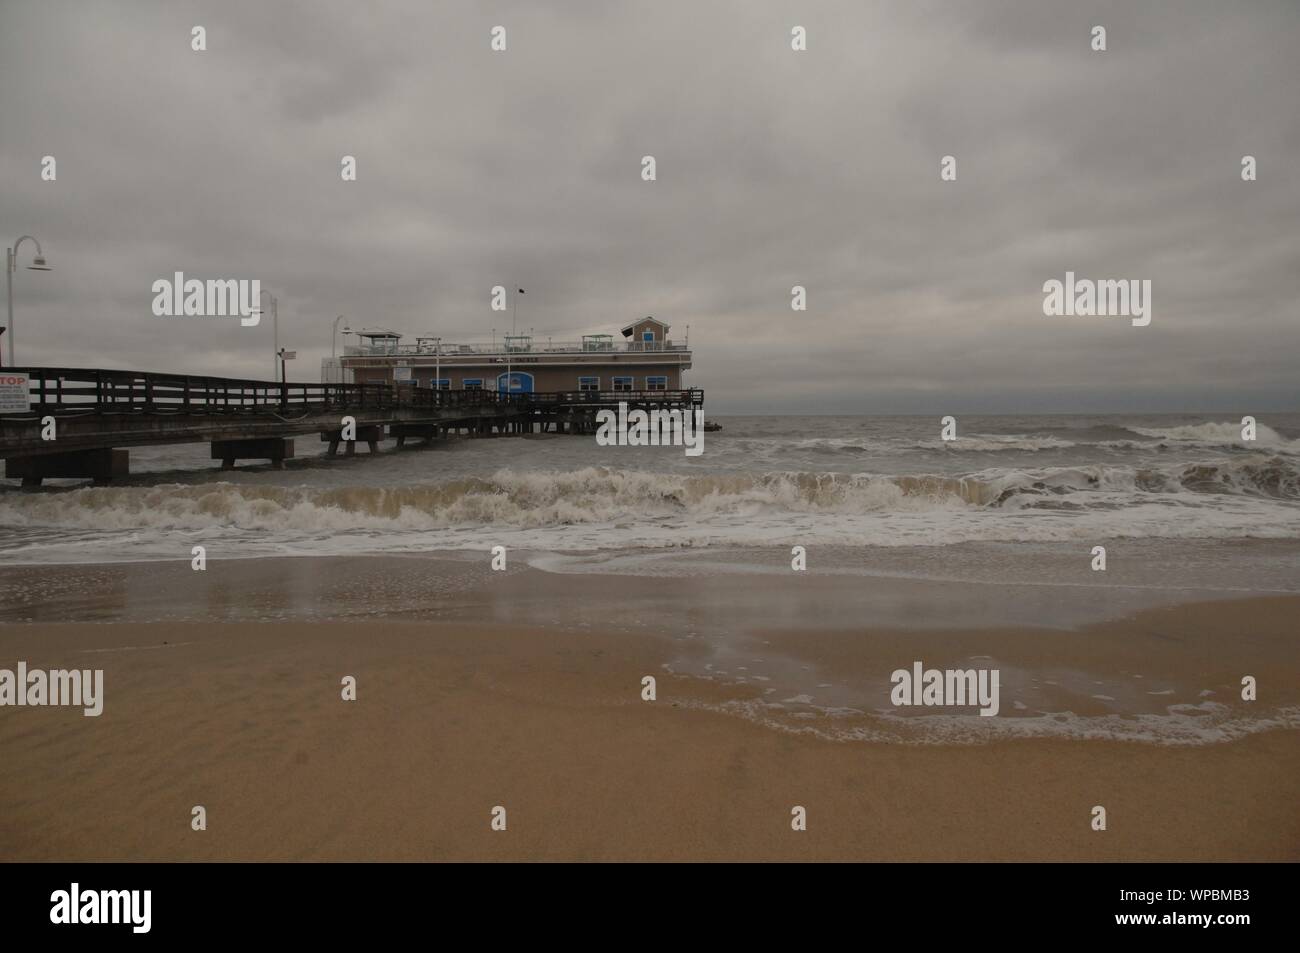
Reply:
x=514, y=330
x=681, y=374
x=11, y=265
x=275, y=323
x=437, y=369
x=334, y=344
x=343, y=377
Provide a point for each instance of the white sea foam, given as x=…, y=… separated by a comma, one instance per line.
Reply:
x=603, y=508
x=1222, y=435
x=880, y=482
x=1180, y=726
x=996, y=443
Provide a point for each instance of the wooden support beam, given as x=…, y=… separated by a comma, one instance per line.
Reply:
x=274, y=449
x=100, y=465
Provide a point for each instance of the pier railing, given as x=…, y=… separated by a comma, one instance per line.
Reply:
x=100, y=413
x=106, y=391
x=692, y=396
x=71, y=390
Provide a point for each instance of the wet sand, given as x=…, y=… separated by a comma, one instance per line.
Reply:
x=453, y=719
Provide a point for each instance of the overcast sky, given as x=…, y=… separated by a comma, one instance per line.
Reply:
x=775, y=168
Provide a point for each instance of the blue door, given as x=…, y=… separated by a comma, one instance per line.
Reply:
x=519, y=383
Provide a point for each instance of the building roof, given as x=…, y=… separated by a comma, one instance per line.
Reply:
x=627, y=331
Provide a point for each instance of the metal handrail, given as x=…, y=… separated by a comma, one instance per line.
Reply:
x=103, y=391
x=107, y=391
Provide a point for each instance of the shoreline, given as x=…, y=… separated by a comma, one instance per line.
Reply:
x=1091, y=661
x=834, y=568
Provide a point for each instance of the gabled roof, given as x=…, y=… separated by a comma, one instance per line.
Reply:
x=627, y=331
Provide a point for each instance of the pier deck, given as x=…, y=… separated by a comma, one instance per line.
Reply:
x=96, y=412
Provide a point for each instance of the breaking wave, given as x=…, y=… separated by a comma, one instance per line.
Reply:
x=533, y=499
x=1223, y=435
x=1209, y=436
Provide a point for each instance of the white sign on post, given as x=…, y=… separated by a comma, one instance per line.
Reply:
x=14, y=396
x=401, y=373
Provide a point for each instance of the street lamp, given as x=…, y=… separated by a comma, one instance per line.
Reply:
x=510, y=343
x=334, y=350
x=334, y=343
x=275, y=323
x=11, y=265
x=343, y=377
x=437, y=368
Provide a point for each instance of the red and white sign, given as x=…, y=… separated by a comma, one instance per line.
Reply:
x=14, y=395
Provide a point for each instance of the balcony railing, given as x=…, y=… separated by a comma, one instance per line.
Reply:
x=500, y=350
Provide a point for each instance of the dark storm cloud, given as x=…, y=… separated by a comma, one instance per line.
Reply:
x=775, y=168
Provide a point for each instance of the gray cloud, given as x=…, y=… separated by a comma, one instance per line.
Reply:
x=775, y=168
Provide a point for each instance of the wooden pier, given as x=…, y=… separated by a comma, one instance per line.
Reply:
x=98, y=414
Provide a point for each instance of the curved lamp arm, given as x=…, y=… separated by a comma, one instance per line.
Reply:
x=27, y=238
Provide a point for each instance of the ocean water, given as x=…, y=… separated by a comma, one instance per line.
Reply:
x=886, y=487
x=1006, y=517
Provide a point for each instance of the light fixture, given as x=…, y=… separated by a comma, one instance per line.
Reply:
x=11, y=265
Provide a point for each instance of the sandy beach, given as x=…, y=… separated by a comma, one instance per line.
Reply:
x=454, y=718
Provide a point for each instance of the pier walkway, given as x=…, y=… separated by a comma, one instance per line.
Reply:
x=79, y=422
